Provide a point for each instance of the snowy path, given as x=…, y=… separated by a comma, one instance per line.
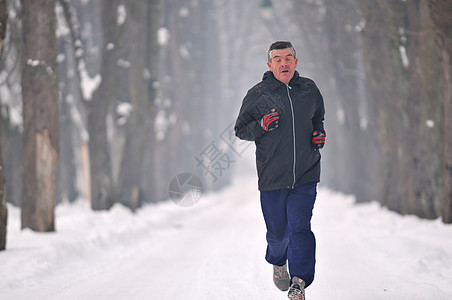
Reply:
x=215, y=250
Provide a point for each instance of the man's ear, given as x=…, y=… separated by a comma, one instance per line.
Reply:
x=269, y=65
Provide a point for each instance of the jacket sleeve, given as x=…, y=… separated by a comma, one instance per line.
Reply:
x=247, y=127
x=319, y=115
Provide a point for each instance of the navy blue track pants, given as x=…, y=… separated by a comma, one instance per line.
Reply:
x=287, y=215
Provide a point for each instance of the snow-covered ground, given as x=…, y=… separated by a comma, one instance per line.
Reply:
x=215, y=250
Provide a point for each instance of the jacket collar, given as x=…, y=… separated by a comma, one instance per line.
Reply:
x=273, y=83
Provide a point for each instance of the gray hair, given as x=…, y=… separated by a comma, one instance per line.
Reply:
x=279, y=46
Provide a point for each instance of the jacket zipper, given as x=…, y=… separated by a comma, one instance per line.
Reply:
x=293, y=131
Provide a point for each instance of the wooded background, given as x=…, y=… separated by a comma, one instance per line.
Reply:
x=108, y=100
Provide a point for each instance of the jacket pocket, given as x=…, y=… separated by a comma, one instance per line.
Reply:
x=266, y=148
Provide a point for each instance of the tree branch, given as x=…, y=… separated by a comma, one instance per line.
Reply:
x=87, y=85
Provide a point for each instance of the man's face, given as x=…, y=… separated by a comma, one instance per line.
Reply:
x=283, y=64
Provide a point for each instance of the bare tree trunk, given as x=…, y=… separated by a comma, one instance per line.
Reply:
x=3, y=208
x=66, y=185
x=165, y=158
x=446, y=209
x=148, y=183
x=440, y=13
x=40, y=108
x=70, y=92
x=129, y=181
x=99, y=150
x=410, y=87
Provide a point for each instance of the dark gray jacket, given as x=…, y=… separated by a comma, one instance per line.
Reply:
x=285, y=156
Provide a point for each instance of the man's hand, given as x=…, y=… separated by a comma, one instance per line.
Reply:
x=318, y=138
x=270, y=120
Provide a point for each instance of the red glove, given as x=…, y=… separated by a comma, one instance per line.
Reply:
x=318, y=138
x=270, y=120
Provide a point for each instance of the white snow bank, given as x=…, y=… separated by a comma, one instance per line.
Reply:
x=215, y=250
x=369, y=252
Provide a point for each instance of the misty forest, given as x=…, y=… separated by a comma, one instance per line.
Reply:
x=108, y=100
